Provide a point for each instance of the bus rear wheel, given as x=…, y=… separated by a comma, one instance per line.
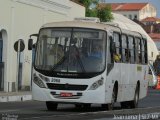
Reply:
x=51, y=106
x=134, y=102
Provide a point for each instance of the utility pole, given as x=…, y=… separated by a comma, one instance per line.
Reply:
x=18, y=47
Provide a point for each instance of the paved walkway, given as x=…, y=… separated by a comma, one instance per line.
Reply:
x=15, y=96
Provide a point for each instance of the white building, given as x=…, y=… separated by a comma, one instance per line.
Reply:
x=137, y=11
x=19, y=19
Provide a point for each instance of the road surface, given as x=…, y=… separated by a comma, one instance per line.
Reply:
x=148, y=108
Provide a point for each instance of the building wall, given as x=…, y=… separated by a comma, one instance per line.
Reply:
x=129, y=13
x=19, y=19
x=76, y=10
x=148, y=11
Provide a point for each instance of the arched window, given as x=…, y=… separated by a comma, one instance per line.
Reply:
x=1, y=47
x=1, y=64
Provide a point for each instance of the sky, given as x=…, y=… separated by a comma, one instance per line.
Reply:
x=155, y=3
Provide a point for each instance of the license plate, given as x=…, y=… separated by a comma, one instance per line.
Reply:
x=63, y=94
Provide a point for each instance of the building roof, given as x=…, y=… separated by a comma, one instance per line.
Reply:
x=150, y=19
x=155, y=36
x=125, y=6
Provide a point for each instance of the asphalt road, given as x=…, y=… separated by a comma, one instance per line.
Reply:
x=148, y=108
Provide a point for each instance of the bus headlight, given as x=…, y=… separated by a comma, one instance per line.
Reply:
x=97, y=84
x=38, y=81
x=44, y=78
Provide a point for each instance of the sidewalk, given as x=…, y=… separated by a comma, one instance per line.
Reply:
x=15, y=96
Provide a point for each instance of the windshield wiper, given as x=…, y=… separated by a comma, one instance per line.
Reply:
x=79, y=60
x=80, y=63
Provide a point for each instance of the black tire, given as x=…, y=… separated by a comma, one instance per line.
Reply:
x=51, y=106
x=107, y=107
x=78, y=106
x=110, y=106
x=125, y=105
x=134, y=102
x=87, y=106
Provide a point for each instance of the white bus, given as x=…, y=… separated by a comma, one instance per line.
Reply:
x=75, y=63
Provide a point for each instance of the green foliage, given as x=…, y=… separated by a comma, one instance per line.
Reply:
x=91, y=13
x=103, y=13
x=87, y=3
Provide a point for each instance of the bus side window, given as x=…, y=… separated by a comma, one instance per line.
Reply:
x=131, y=49
x=124, y=48
x=110, y=55
x=116, y=37
x=138, y=51
x=145, y=51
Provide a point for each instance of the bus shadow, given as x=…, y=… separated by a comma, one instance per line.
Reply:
x=80, y=110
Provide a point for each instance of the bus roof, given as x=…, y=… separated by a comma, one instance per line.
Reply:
x=81, y=24
x=119, y=22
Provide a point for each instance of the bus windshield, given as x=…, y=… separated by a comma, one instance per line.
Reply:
x=71, y=50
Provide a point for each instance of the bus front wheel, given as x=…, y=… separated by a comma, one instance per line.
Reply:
x=134, y=102
x=51, y=106
x=110, y=106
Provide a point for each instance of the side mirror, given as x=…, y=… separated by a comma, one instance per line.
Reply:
x=30, y=41
x=30, y=44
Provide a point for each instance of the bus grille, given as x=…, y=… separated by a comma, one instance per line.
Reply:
x=54, y=86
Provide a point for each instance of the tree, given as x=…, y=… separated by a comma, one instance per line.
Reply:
x=104, y=13
x=88, y=3
x=94, y=10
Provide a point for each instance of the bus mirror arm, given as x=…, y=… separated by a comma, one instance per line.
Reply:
x=34, y=45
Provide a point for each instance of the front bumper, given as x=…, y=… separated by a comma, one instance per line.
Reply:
x=87, y=96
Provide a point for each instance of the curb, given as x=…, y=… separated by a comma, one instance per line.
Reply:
x=16, y=98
